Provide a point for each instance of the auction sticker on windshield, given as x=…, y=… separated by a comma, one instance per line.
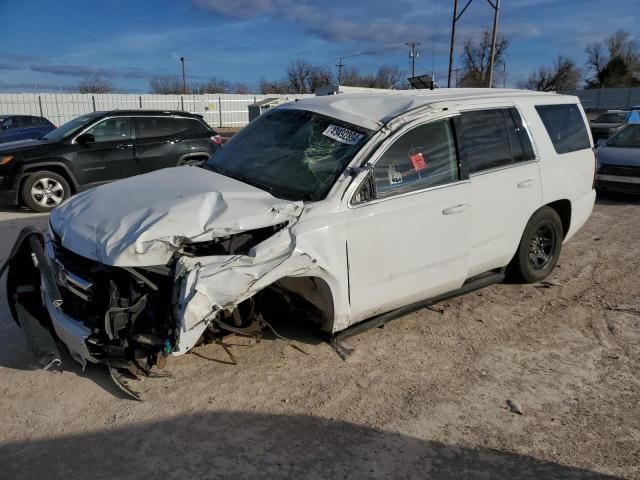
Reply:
x=343, y=135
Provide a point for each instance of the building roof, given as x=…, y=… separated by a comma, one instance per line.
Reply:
x=373, y=110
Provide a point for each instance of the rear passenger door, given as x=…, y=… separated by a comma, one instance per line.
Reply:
x=159, y=142
x=505, y=183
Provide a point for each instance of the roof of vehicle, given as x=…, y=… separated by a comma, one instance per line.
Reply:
x=139, y=113
x=373, y=110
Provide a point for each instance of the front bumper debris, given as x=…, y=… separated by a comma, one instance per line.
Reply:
x=25, y=285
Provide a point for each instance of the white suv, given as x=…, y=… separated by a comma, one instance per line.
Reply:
x=349, y=208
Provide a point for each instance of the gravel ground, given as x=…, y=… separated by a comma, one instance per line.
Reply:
x=424, y=397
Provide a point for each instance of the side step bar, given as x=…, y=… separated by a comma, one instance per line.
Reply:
x=476, y=283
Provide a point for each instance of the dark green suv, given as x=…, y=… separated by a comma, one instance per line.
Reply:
x=97, y=148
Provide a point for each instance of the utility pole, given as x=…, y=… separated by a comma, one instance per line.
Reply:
x=496, y=8
x=184, y=82
x=455, y=18
x=340, y=65
x=413, y=55
x=453, y=38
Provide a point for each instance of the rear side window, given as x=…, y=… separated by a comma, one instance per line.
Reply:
x=147, y=127
x=196, y=128
x=494, y=138
x=421, y=158
x=565, y=126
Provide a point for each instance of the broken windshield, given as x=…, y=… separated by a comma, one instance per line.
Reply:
x=292, y=154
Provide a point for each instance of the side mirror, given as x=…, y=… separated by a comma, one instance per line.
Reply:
x=85, y=138
x=4, y=127
x=601, y=142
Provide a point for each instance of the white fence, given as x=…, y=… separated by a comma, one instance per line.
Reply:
x=607, y=98
x=219, y=110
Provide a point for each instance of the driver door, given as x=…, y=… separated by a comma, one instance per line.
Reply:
x=411, y=241
x=110, y=156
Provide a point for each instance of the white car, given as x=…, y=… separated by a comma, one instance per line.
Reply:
x=350, y=208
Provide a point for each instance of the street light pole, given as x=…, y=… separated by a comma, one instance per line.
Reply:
x=184, y=82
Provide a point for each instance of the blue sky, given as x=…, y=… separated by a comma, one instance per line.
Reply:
x=50, y=45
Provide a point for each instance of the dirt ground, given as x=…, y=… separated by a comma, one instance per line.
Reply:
x=424, y=397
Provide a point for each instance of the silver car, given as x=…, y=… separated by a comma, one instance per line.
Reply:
x=618, y=164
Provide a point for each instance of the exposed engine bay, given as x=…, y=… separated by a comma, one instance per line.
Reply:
x=129, y=316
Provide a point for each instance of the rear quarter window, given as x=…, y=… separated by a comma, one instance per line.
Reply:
x=565, y=126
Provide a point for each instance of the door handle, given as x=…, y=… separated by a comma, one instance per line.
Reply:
x=526, y=183
x=455, y=209
x=124, y=146
x=175, y=140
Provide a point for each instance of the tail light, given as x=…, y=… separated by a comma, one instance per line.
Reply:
x=217, y=139
x=595, y=168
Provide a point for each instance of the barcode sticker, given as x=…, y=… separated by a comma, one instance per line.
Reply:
x=343, y=135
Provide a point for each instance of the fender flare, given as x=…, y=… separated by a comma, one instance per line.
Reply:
x=28, y=169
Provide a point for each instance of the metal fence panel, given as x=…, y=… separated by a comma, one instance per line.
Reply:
x=607, y=98
x=218, y=110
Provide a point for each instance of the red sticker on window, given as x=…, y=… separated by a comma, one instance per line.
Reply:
x=418, y=161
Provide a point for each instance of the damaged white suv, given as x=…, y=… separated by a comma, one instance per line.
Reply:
x=350, y=208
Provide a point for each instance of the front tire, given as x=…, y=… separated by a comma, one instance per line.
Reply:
x=43, y=191
x=539, y=247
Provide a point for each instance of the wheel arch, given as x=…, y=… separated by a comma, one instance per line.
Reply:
x=316, y=291
x=55, y=167
x=563, y=209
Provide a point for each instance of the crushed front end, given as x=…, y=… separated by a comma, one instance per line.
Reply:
x=122, y=317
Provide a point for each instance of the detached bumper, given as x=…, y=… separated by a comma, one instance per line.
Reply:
x=29, y=279
x=34, y=301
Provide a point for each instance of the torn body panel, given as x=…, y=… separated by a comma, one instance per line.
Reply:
x=157, y=284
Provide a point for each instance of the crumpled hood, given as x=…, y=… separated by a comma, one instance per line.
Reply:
x=141, y=221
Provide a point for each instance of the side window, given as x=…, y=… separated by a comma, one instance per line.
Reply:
x=565, y=126
x=111, y=129
x=148, y=127
x=520, y=143
x=486, y=139
x=27, y=122
x=423, y=157
x=195, y=127
x=7, y=123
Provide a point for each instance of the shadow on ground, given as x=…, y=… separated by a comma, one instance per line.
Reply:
x=614, y=198
x=227, y=444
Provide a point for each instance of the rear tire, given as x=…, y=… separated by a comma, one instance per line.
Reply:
x=539, y=247
x=43, y=191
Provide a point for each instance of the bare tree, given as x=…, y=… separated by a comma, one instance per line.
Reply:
x=167, y=84
x=214, y=85
x=562, y=75
x=614, y=62
x=240, y=88
x=387, y=76
x=476, y=57
x=275, y=87
x=306, y=78
x=95, y=84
